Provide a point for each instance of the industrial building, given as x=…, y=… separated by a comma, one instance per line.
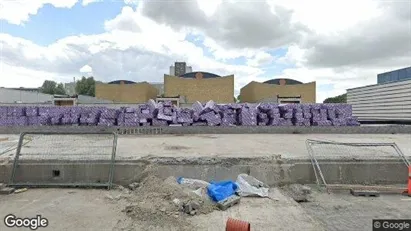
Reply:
x=25, y=96
x=124, y=91
x=387, y=101
x=200, y=86
x=279, y=90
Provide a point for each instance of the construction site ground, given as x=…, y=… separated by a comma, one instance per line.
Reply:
x=93, y=209
x=212, y=145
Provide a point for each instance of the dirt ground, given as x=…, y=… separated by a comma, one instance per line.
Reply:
x=219, y=145
x=92, y=209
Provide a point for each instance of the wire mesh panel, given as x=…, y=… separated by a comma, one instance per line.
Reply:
x=64, y=159
x=329, y=150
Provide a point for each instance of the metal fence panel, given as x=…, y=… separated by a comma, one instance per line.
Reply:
x=330, y=150
x=66, y=159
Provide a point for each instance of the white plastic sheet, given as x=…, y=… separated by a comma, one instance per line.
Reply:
x=250, y=186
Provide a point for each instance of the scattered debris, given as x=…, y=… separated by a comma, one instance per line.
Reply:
x=20, y=190
x=365, y=193
x=228, y=202
x=157, y=202
x=193, y=183
x=300, y=193
x=250, y=186
x=6, y=191
x=133, y=186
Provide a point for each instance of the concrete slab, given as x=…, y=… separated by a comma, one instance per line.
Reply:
x=68, y=209
x=289, y=146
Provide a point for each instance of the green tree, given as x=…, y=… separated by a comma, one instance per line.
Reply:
x=59, y=90
x=337, y=99
x=238, y=99
x=52, y=88
x=86, y=86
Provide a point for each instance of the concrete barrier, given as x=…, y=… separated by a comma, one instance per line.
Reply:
x=271, y=171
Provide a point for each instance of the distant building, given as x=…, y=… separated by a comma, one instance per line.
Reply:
x=394, y=76
x=10, y=96
x=280, y=90
x=200, y=86
x=124, y=91
x=180, y=68
x=386, y=101
x=36, y=89
x=160, y=87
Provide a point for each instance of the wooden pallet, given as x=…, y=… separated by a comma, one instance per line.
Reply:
x=378, y=188
x=364, y=193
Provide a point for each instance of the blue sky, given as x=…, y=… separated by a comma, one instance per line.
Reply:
x=51, y=24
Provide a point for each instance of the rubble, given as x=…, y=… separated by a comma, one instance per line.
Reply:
x=300, y=193
x=159, y=202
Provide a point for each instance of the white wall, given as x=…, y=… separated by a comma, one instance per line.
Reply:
x=383, y=102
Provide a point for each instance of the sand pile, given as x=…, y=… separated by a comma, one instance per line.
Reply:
x=165, y=204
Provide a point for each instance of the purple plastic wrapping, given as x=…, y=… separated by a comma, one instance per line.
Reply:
x=158, y=123
x=131, y=122
x=212, y=114
x=107, y=122
x=109, y=113
x=32, y=111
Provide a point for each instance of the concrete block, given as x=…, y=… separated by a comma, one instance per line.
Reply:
x=229, y=202
x=6, y=191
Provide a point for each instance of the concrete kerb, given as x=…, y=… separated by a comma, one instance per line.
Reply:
x=396, y=129
x=272, y=171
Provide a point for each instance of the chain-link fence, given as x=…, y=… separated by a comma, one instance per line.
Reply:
x=72, y=159
x=329, y=150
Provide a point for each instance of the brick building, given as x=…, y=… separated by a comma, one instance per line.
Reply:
x=279, y=90
x=124, y=91
x=200, y=86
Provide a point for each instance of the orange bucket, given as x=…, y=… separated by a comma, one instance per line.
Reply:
x=237, y=225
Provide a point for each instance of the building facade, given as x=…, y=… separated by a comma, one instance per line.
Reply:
x=389, y=102
x=200, y=86
x=393, y=76
x=10, y=96
x=123, y=91
x=280, y=90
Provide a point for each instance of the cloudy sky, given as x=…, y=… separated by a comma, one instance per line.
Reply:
x=340, y=44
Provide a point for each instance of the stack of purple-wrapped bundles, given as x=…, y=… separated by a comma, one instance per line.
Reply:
x=128, y=117
x=13, y=116
x=166, y=114
x=185, y=116
x=211, y=114
x=248, y=115
x=108, y=117
x=229, y=114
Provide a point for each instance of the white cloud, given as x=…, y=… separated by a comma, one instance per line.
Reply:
x=88, y=2
x=86, y=69
x=260, y=59
x=339, y=44
x=18, y=12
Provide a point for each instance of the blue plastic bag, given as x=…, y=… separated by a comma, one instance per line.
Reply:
x=219, y=191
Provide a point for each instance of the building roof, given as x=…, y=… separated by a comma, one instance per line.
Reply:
x=287, y=81
x=206, y=75
x=120, y=81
